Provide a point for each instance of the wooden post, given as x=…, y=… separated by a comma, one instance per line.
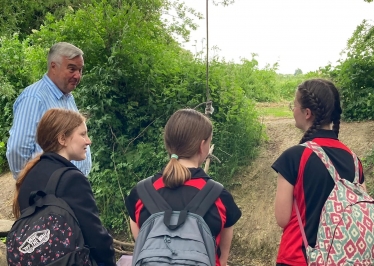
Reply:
x=207, y=162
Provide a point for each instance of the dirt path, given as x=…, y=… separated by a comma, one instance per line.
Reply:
x=7, y=185
x=257, y=236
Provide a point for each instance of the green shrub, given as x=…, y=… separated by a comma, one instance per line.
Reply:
x=19, y=68
x=356, y=81
x=135, y=77
x=354, y=74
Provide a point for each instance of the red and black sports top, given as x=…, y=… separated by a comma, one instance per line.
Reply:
x=224, y=213
x=312, y=185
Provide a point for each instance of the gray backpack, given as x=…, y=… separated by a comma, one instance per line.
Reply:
x=170, y=237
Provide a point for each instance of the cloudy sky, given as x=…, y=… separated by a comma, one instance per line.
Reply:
x=303, y=34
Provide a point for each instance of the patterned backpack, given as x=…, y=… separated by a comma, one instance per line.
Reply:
x=170, y=237
x=47, y=233
x=346, y=229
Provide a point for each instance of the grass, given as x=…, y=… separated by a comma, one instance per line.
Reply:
x=274, y=109
x=368, y=165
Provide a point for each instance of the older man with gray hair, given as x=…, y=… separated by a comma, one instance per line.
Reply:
x=65, y=65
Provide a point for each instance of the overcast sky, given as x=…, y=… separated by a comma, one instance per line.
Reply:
x=305, y=34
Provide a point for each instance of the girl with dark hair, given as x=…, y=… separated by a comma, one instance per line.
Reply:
x=62, y=134
x=301, y=173
x=187, y=138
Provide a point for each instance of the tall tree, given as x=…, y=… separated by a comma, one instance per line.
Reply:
x=24, y=15
x=298, y=72
x=355, y=74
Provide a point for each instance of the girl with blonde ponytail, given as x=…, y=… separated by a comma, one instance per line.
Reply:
x=187, y=139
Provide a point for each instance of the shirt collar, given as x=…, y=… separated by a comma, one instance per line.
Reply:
x=324, y=133
x=198, y=173
x=54, y=89
x=57, y=157
x=195, y=173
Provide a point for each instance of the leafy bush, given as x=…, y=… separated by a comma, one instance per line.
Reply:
x=18, y=66
x=286, y=84
x=135, y=77
x=258, y=84
x=355, y=73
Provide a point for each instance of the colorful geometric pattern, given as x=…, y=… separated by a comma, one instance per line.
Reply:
x=346, y=229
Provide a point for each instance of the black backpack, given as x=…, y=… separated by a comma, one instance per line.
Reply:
x=47, y=233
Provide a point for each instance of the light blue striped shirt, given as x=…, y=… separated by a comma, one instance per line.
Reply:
x=28, y=109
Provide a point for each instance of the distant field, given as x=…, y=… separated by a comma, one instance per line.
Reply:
x=274, y=109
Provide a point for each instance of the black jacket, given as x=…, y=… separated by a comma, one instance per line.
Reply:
x=76, y=190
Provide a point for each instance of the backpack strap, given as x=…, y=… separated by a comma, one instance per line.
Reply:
x=151, y=199
x=51, y=185
x=199, y=205
x=34, y=194
x=334, y=174
x=300, y=224
x=328, y=164
x=205, y=198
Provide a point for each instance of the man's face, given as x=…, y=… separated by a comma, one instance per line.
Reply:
x=67, y=73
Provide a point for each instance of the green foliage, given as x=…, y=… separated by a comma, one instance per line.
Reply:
x=235, y=118
x=298, y=72
x=18, y=66
x=265, y=85
x=3, y=162
x=257, y=84
x=285, y=85
x=355, y=79
x=278, y=110
x=136, y=76
x=368, y=164
x=229, y=2
x=24, y=16
x=354, y=74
